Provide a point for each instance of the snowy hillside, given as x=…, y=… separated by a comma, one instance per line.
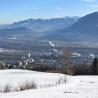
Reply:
x=49, y=85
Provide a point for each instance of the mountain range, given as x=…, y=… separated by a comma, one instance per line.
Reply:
x=36, y=28
x=85, y=29
x=69, y=29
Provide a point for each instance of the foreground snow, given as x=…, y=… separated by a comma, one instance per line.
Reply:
x=48, y=85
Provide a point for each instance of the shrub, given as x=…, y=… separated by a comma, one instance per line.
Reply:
x=1, y=65
x=7, y=88
x=27, y=85
x=94, y=68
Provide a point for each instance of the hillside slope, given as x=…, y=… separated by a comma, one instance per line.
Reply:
x=75, y=86
x=84, y=30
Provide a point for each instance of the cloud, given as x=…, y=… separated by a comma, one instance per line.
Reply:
x=94, y=5
x=36, y=8
x=89, y=1
x=59, y=8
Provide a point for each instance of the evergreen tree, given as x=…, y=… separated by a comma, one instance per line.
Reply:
x=95, y=66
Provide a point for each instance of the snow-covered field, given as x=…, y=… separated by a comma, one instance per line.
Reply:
x=49, y=85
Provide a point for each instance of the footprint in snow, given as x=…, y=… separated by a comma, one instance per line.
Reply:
x=70, y=92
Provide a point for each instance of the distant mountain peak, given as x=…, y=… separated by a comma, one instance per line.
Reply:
x=85, y=29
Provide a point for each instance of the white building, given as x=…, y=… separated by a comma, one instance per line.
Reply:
x=29, y=55
x=20, y=63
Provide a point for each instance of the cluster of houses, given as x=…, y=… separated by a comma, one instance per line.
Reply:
x=49, y=57
x=25, y=60
x=52, y=58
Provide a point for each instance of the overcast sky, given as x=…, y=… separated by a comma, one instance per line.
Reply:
x=15, y=10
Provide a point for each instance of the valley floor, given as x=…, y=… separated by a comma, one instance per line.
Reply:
x=49, y=85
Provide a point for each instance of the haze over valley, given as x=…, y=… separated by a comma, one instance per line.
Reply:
x=48, y=49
